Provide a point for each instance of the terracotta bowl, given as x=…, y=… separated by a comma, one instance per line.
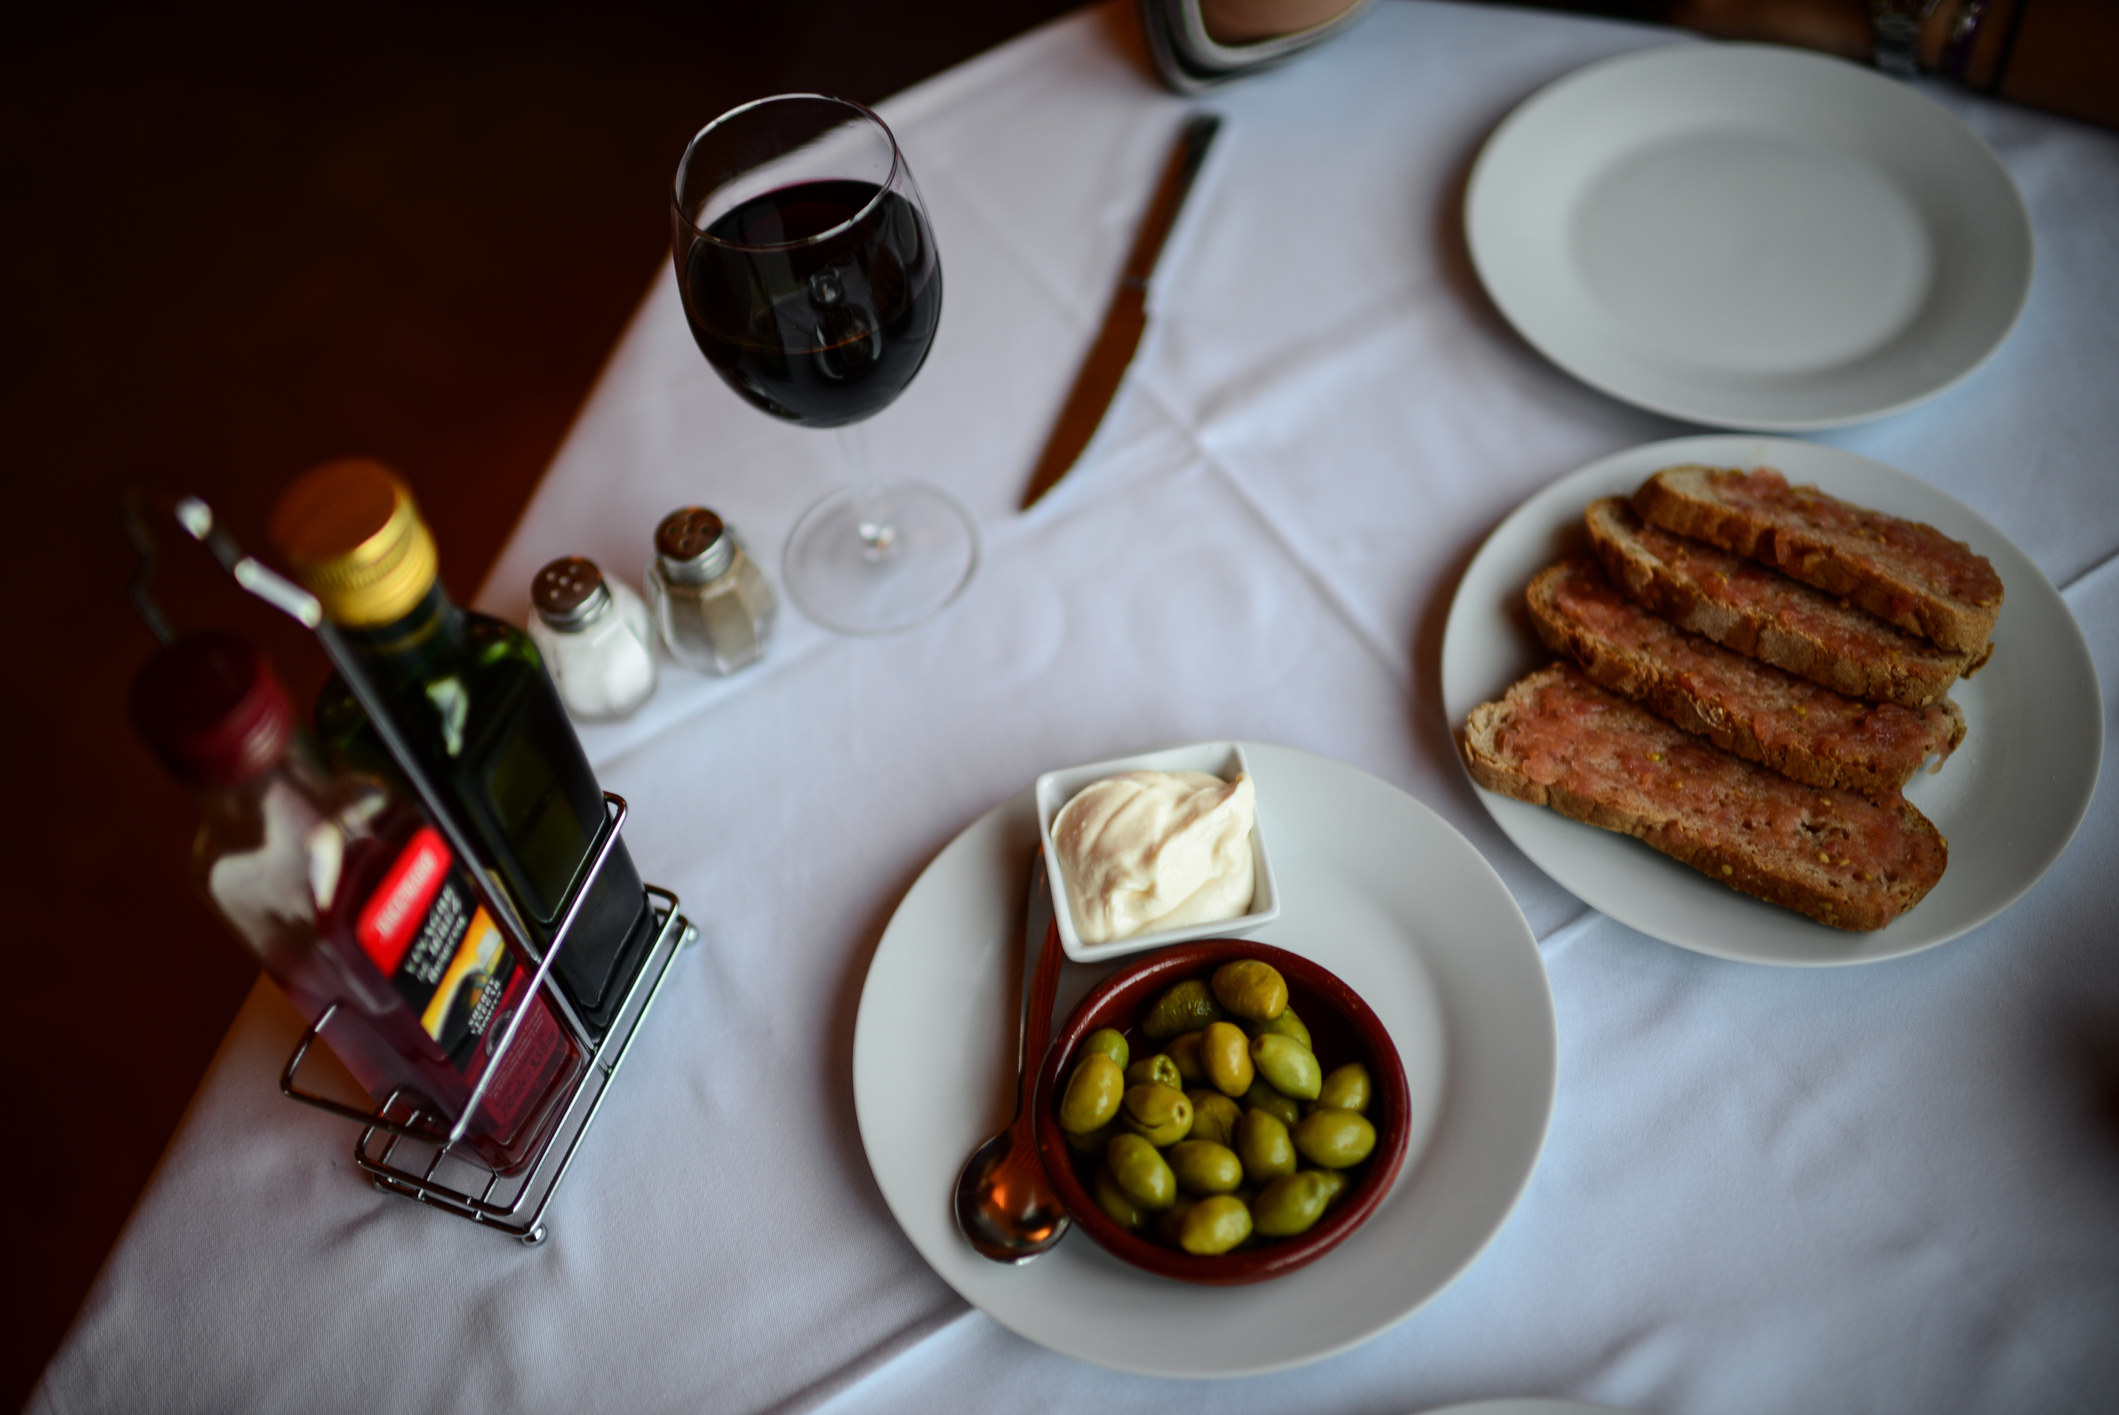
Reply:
x=1342, y=1028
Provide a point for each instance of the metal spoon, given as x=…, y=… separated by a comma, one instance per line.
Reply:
x=1004, y=1203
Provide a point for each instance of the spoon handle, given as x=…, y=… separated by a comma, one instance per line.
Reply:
x=1037, y=1019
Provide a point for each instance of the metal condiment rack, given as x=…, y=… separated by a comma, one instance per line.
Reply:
x=431, y=1171
x=404, y=1148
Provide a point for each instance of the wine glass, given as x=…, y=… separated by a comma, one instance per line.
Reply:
x=812, y=284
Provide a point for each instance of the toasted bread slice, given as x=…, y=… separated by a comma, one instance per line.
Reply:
x=1763, y=714
x=1904, y=572
x=1744, y=606
x=1556, y=739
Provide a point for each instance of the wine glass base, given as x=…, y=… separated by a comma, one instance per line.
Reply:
x=837, y=580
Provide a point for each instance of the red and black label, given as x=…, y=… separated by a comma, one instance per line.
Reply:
x=425, y=930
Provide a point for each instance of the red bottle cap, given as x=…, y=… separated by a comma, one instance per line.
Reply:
x=212, y=710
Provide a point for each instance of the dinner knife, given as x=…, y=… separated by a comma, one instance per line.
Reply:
x=1126, y=319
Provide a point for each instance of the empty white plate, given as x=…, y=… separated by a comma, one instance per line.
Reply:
x=1749, y=236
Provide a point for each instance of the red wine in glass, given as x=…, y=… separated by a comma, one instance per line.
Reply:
x=816, y=301
x=810, y=279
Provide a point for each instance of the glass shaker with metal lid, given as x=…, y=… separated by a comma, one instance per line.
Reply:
x=596, y=638
x=712, y=602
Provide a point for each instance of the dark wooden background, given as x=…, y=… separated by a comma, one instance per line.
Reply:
x=237, y=243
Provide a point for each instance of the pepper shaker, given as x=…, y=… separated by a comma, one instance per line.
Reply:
x=712, y=603
x=595, y=635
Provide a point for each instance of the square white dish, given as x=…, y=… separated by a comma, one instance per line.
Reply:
x=1223, y=759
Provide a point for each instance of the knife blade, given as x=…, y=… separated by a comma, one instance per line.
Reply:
x=1126, y=318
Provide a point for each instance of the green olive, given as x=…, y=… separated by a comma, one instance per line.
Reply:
x=1287, y=1065
x=1263, y=1097
x=1110, y=1043
x=1092, y=1095
x=1346, y=1088
x=1204, y=1167
x=1188, y=1007
x=1335, y=1138
x=1116, y=1203
x=1225, y=1053
x=1157, y=1114
x=1287, y=1024
x=1156, y=1070
x=1229, y=1132
x=1184, y=1051
x=1214, y=1116
x=1091, y=1142
x=1139, y=1169
x=1267, y=1150
x=1291, y=1204
x=1214, y=1225
x=1251, y=990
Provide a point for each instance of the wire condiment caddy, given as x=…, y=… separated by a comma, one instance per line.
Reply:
x=406, y=1147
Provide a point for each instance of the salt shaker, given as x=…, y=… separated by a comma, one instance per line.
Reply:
x=596, y=638
x=712, y=602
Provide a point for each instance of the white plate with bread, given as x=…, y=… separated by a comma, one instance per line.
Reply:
x=1749, y=236
x=2029, y=725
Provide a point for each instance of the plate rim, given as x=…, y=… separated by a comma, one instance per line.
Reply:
x=1479, y=194
x=1527, y=1405
x=1542, y=1048
x=1759, y=449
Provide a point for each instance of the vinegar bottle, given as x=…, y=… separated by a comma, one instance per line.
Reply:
x=349, y=896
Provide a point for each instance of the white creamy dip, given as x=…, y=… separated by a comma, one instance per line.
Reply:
x=1155, y=850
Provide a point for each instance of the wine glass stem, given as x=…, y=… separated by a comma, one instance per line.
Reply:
x=871, y=504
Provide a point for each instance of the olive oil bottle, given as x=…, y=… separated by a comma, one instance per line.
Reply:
x=480, y=713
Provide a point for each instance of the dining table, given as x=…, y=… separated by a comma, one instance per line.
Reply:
x=1885, y=1187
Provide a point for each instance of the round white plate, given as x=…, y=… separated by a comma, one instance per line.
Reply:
x=2008, y=800
x=1749, y=236
x=1377, y=888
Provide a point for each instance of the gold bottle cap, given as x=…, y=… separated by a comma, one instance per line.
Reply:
x=350, y=532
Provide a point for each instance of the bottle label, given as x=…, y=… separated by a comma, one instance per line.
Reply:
x=425, y=930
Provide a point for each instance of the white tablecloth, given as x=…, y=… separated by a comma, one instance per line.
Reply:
x=1885, y=1188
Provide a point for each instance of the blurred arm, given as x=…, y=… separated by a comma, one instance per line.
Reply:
x=2061, y=55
